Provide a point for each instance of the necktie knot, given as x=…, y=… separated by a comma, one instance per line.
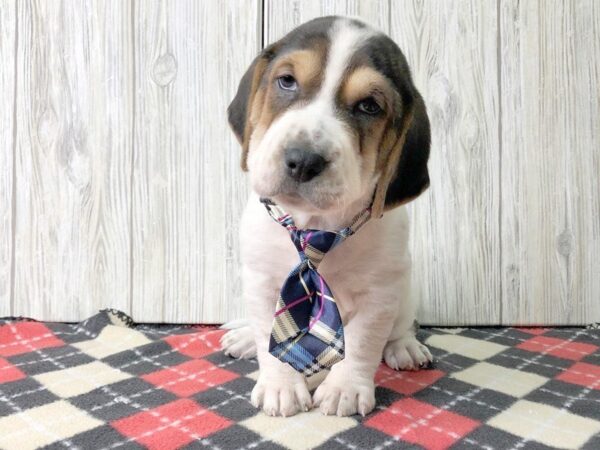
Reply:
x=312, y=245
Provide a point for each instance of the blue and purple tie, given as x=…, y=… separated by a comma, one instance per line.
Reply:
x=307, y=328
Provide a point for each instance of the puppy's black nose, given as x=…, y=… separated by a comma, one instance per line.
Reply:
x=303, y=165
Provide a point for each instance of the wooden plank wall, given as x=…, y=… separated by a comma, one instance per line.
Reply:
x=188, y=190
x=8, y=38
x=119, y=179
x=452, y=48
x=550, y=162
x=72, y=159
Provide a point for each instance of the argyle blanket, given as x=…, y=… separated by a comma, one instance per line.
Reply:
x=107, y=383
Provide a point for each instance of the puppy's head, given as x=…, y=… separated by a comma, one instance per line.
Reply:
x=329, y=115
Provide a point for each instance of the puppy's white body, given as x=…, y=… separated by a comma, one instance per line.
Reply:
x=369, y=273
x=375, y=258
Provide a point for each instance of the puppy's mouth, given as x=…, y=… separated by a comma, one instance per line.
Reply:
x=314, y=196
x=306, y=201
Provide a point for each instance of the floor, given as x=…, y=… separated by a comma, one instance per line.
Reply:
x=108, y=383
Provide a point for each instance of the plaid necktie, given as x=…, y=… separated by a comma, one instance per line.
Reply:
x=307, y=327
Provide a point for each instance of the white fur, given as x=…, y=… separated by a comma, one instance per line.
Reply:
x=345, y=40
x=369, y=273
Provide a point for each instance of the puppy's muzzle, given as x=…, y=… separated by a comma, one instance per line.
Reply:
x=303, y=165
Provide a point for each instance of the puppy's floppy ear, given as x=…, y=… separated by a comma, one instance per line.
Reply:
x=404, y=174
x=412, y=177
x=242, y=111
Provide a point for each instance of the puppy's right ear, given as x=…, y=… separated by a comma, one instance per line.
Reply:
x=244, y=111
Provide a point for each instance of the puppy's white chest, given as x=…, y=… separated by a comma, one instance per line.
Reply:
x=375, y=255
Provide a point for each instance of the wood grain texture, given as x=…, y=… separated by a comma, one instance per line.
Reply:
x=451, y=47
x=8, y=41
x=120, y=183
x=550, y=161
x=283, y=16
x=188, y=189
x=73, y=158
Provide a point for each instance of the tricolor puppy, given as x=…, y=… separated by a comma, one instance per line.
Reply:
x=330, y=122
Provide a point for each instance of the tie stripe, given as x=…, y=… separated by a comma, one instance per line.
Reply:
x=307, y=328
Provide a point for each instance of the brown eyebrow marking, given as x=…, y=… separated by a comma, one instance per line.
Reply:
x=305, y=65
x=364, y=82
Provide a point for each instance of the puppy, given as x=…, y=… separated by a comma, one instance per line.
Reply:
x=330, y=122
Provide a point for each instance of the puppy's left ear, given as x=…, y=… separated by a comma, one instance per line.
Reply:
x=404, y=174
x=245, y=108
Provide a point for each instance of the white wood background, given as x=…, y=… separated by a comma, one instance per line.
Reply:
x=119, y=179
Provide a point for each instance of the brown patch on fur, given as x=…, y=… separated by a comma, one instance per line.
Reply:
x=373, y=138
x=386, y=146
x=306, y=66
x=268, y=111
x=360, y=84
x=256, y=100
x=367, y=82
x=256, y=110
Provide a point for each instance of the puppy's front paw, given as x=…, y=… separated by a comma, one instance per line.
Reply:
x=406, y=354
x=239, y=343
x=281, y=395
x=344, y=394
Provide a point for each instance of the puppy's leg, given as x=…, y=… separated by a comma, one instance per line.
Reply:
x=280, y=390
x=403, y=351
x=349, y=388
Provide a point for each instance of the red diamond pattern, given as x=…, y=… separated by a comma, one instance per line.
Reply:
x=8, y=372
x=23, y=337
x=171, y=426
x=405, y=382
x=583, y=374
x=423, y=424
x=558, y=347
x=190, y=377
x=188, y=405
x=197, y=345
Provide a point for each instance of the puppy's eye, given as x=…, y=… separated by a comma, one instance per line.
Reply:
x=368, y=106
x=287, y=83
